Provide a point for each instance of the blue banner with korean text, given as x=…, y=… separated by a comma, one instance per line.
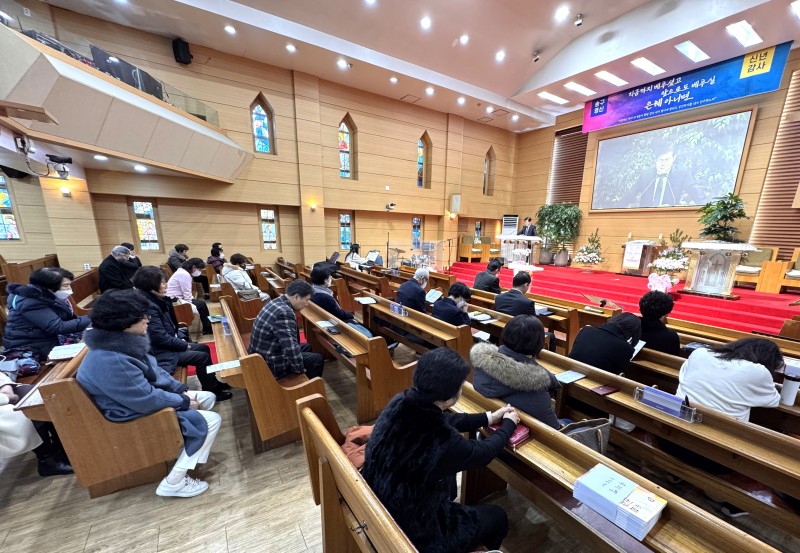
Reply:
x=753, y=73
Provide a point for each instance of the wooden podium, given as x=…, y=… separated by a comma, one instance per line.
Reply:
x=712, y=267
x=637, y=257
x=510, y=242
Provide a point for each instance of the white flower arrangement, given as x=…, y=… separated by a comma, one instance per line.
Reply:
x=591, y=253
x=669, y=261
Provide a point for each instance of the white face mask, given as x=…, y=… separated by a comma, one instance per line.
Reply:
x=196, y=273
x=63, y=294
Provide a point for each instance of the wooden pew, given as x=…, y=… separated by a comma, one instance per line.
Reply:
x=359, y=282
x=270, y=282
x=545, y=468
x=759, y=454
x=244, y=311
x=273, y=418
x=434, y=331
x=689, y=331
x=85, y=289
x=352, y=516
x=286, y=269
x=213, y=282
x=109, y=456
x=19, y=272
x=437, y=280
x=32, y=404
x=378, y=377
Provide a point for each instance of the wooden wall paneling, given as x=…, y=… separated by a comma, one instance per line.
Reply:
x=31, y=216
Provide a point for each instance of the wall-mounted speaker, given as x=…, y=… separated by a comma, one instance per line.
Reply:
x=455, y=203
x=180, y=48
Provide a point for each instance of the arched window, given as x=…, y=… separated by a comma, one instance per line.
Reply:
x=424, y=161
x=262, y=118
x=347, y=148
x=488, y=172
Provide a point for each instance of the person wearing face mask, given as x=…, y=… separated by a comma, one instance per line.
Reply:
x=180, y=287
x=453, y=308
x=216, y=260
x=114, y=271
x=322, y=295
x=38, y=314
x=235, y=273
x=218, y=245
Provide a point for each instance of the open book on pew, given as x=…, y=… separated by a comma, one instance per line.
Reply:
x=543, y=311
x=60, y=353
x=433, y=295
x=637, y=348
x=366, y=300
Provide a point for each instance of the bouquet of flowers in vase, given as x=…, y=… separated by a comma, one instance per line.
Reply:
x=673, y=259
x=591, y=253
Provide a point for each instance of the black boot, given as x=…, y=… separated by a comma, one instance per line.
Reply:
x=49, y=466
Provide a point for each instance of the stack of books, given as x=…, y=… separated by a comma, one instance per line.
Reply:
x=620, y=500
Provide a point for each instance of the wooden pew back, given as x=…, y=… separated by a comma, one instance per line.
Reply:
x=32, y=404
x=85, y=287
x=697, y=332
x=270, y=282
x=19, y=272
x=286, y=269
x=244, y=312
x=352, y=516
x=359, y=282
x=437, y=280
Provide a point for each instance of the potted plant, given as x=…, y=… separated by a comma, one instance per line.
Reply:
x=671, y=260
x=717, y=218
x=559, y=224
x=591, y=253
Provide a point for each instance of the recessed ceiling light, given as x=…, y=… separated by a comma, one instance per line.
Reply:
x=369, y=2
x=579, y=89
x=393, y=80
x=120, y=1
x=796, y=7
x=562, y=13
x=489, y=109
x=500, y=56
x=515, y=117
x=425, y=22
x=429, y=91
x=461, y=100
x=611, y=78
x=140, y=168
x=342, y=63
x=291, y=48
x=744, y=33
x=553, y=98
x=99, y=157
x=463, y=39
x=646, y=65
x=691, y=51
x=230, y=29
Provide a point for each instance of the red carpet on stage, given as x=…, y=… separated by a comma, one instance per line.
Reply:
x=754, y=311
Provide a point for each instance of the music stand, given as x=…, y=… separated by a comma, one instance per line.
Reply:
x=602, y=302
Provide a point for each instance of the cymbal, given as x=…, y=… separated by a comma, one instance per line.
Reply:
x=397, y=250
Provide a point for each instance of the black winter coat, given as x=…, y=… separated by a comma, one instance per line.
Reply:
x=163, y=332
x=327, y=302
x=114, y=275
x=36, y=318
x=514, y=303
x=412, y=459
x=412, y=295
x=603, y=347
x=445, y=309
x=487, y=282
x=657, y=336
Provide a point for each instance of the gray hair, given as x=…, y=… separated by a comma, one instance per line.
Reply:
x=419, y=274
x=120, y=250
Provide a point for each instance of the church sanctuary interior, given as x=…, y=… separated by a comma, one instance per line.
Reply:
x=622, y=173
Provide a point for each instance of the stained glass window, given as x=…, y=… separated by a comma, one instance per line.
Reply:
x=344, y=151
x=263, y=121
x=8, y=223
x=420, y=163
x=424, y=161
x=269, y=229
x=146, y=226
x=345, y=231
x=478, y=225
x=416, y=233
x=488, y=172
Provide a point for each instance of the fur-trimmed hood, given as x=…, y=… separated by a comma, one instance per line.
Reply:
x=527, y=376
x=126, y=343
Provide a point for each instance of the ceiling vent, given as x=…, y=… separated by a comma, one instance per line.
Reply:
x=485, y=119
x=499, y=112
x=410, y=98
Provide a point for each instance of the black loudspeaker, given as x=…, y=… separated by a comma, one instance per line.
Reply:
x=181, y=50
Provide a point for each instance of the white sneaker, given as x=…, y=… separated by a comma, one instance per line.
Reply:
x=188, y=487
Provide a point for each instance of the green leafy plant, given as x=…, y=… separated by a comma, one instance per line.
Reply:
x=559, y=223
x=717, y=217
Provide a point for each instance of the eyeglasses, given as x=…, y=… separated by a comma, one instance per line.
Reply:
x=146, y=318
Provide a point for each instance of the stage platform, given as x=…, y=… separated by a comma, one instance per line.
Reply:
x=754, y=311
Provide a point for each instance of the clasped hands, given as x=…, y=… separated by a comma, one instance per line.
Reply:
x=505, y=412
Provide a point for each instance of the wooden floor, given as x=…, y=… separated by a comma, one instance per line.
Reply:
x=254, y=503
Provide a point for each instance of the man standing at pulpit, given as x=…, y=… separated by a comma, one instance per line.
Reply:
x=528, y=229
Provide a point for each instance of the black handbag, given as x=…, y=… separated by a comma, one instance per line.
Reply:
x=592, y=433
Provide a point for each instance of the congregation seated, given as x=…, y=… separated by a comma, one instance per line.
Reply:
x=453, y=309
x=654, y=307
x=179, y=287
x=18, y=434
x=276, y=337
x=322, y=295
x=216, y=260
x=114, y=271
x=126, y=383
x=39, y=312
x=416, y=450
x=235, y=273
x=514, y=302
x=171, y=346
x=487, y=280
x=177, y=256
x=511, y=374
x=134, y=263
x=411, y=293
x=608, y=347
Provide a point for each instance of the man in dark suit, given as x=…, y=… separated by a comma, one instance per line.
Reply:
x=411, y=293
x=528, y=229
x=514, y=301
x=654, y=307
x=453, y=308
x=488, y=279
x=112, y=271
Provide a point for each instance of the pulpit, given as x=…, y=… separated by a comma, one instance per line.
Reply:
x=638, y=255
x=712, y=267
x=511, y=242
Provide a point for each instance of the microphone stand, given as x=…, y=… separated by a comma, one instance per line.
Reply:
x=387, y=251
x=449, y=251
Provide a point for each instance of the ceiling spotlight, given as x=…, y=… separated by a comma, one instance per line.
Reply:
x=500, y=56
x=562, y=13
x=343, y=65
x=369, y=2
x=578, y=20
x=464, y=39
x=461, y=101
x=230, y=29
x=393, y=80
x=536, y=56
x=429, y=91
x=796, y=7
x=425, y=23
x=291, y=48
x=99, y=157
x=140, y=168
x=515, y=117
x=489, y=109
